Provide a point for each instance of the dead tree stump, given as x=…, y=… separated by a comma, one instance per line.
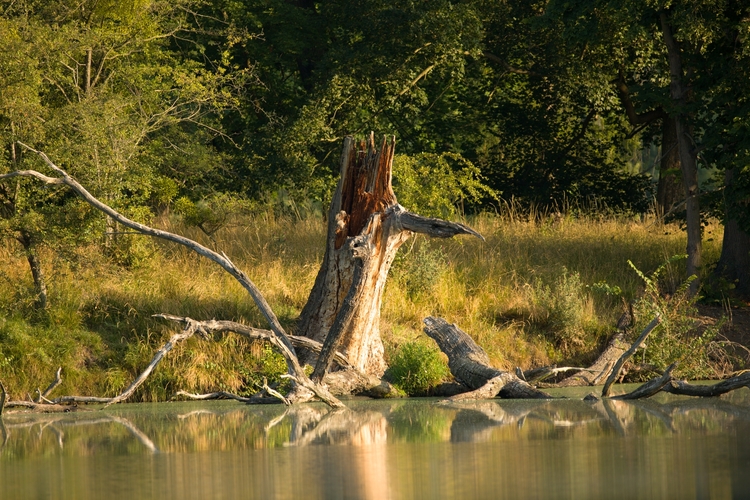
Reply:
x=366, y=227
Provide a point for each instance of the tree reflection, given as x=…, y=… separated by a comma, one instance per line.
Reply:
x=193, y=427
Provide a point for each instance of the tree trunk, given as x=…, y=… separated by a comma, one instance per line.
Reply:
x=679, y=94
x=366, y=227
x=670, y=190
x=734, y=263
x=40, y=285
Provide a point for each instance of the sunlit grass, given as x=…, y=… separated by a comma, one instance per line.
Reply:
x=523, y=294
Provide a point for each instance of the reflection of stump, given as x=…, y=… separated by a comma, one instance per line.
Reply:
x=365, y=223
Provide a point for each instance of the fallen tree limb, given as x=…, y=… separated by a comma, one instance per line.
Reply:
x=296, y=373
x=651, y=387
x=489, y=390
x=227, y=395
x=470, y=365
x=220, y=259
x=627, y=355
x=545, y=372
x=706, y=391
x=42, y=396
x=602, y=367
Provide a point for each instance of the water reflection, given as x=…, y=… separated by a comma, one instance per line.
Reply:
x=386, y=449
x=183, y=427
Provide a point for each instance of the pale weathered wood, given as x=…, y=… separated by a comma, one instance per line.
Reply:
x=651, y=387
x=627, y=355
x=468, y=362
x=602, y=367
x=364, y=206
x=295, y=370
x=53, y=385
x=470, y=365
x=706, y=391
x=545, y=372
x=222, y=259
x=489, y=390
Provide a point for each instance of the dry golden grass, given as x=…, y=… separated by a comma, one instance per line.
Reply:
x=523, y=295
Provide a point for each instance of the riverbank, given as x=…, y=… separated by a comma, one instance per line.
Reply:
x=537, y=292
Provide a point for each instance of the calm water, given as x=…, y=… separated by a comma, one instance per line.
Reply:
x=665, y=447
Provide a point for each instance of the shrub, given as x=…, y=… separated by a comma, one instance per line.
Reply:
x=416, y=367
x=565, y=308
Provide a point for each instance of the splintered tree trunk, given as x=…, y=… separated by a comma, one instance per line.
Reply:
x=366, y=227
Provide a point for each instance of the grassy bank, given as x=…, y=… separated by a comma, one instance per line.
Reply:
x=525, y=294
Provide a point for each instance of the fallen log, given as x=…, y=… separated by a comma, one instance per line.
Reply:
x=470, y=365
x=684, y=388
x=602, y=367
x=651, y=387
x=627, y=355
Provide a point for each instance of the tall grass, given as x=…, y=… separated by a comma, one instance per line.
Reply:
x=524, y=295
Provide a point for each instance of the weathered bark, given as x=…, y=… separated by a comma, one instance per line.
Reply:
x=670, y=190
x=40, y=284
x=734, y=263
x=651, y=387
x=470, y=365
x=364, y=218
x=679, y=94
x=627, y=355
x=602, y=367
x=707, y=391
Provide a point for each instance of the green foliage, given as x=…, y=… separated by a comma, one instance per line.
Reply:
x=565, y=309
x=419, y=269
x=438, y=185
x=213, y=213
x=416, y=367
x=677, y=338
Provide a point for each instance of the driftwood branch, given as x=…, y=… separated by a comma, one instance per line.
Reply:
x=53, y=385
x=545, y=372
x=651, y=387
x=437, y=228
x=296, y=372
x=706, y=391
x=628, y=354
x=280, y=338
x=222, y=259
x=602, y=367
x=470, y=365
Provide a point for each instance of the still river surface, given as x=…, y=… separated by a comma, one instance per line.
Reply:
x=664, y=447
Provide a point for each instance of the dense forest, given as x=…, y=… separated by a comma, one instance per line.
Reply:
x=205, y=110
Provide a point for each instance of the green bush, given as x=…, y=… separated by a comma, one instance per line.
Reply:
x=676, y=339
x=438, y=185
x=416, y=368
x=565, y=309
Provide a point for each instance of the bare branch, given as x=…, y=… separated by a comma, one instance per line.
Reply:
x=53, y=385
x=651, y=387
x=436, y=228
x=223, y=261
x=627, y=354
